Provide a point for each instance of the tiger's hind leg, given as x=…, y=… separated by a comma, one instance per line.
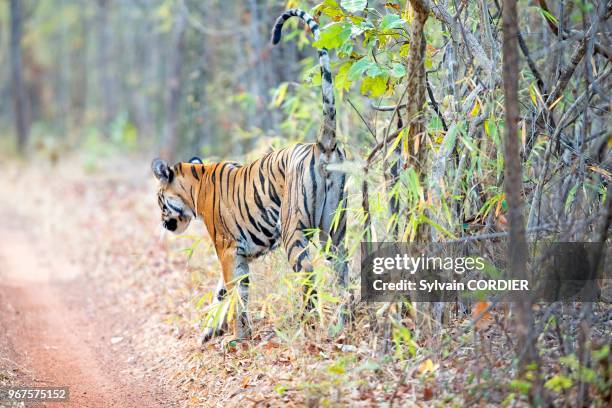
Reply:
x=299, y=214
x=298, y=255
x=294, y=236
x=240, y=278
x=333, y=227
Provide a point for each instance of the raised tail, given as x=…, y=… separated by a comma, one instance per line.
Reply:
x=327, y=135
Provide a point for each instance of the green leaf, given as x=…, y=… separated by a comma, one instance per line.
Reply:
x=396, y=142
x=586, y=374
x=506, y=402
x=491, y=130
x=570, y=361
x=207, y=297
x=279, y=96
x=602, y=353
x=280, y=389
x=451, y=137
x=342, y=81
x=521, y=386
x=558, y=383
x=438, y=227
x=345, y=50
x=331, y=9
x=326, y=297
x=468, y=143
x=549, y=16
x=361, y=28
x=354, y=6
x=333, y=36
x=570, y=198
x=391, y=21
x=374, y=86
x=337, y=368
x=397, y=70
x=312, y=76
x=358, y=69
x=375, y=70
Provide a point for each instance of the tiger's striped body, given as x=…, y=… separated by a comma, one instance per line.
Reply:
x=249, y=210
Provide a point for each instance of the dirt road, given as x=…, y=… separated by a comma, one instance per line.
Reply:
x=57, y=327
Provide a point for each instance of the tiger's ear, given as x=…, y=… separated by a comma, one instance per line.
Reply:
x=161, y=171
x=196, y=160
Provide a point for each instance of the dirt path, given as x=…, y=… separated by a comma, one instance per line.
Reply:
x=52, y=329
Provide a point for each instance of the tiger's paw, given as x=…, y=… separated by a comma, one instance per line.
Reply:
x=209, y=333
x=243, y=332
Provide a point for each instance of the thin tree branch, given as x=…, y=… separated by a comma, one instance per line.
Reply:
x=577, y=55
x=362, y=118
x=387, y=108
x=503, y=234
x=434, y=104
x=531, y=64
x=566, y=74
x=600, y=49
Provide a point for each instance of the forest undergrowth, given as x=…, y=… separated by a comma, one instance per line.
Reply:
x=290, y=360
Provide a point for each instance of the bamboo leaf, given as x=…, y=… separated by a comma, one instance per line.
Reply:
x=279, y=97
x=438, y=227
x=396, y=142
x=547, y=15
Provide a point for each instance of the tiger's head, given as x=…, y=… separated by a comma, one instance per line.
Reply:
x=173, y=197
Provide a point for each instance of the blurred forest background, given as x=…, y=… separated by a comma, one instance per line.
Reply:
x=183, y=75
x=423, y=95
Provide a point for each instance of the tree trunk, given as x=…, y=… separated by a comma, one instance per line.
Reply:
x=416, y=88
x=172, y=100
x=415, y=68
x=513, y=184
x=20, y=102
x=259, y=119
x=80, y=82
x=105, y=82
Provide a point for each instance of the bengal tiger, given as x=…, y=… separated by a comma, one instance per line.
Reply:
x=249, y=209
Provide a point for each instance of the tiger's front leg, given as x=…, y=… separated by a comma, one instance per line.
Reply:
x=235, y=277
x=216, y=322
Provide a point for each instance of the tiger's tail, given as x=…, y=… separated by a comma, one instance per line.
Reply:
x=327, y=135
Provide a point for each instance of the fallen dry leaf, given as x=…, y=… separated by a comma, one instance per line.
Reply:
x=428, y=393
x=245, y=381
x=270, y=345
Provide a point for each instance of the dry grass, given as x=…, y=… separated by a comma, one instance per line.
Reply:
x=107, y=221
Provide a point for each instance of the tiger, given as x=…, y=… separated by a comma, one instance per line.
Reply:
x=249, y=210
